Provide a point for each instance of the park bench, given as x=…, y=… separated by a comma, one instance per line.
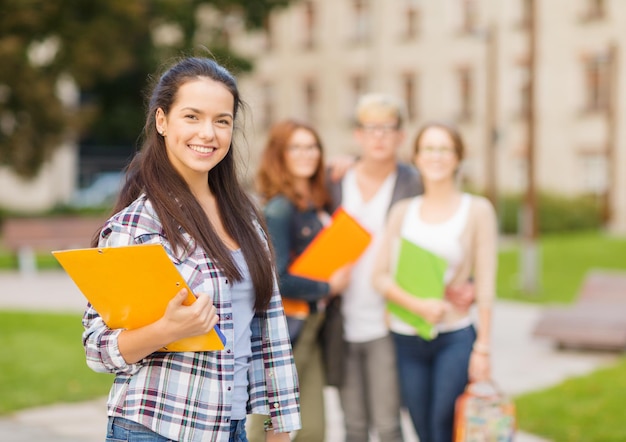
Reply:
x=28, y=236
x=596, y=321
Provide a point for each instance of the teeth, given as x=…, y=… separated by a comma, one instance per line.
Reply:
x=201, y=149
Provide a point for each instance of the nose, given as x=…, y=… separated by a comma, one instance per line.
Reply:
x=207, y=131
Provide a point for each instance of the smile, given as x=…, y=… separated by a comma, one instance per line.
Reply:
x=201, y=149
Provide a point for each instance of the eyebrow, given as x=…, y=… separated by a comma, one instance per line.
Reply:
x=198, y=111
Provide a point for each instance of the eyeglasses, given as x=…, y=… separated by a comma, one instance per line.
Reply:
x=432, y=150
x=303, y=148
x=383, y=129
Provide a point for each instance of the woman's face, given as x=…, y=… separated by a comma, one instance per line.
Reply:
x=436, y=157
x=199, y=127
x=302, y=154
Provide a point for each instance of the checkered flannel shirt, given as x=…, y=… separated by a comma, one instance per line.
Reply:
x=187, y=396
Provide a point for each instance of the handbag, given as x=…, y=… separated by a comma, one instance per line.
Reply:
x=332, y=343
x=484, y=414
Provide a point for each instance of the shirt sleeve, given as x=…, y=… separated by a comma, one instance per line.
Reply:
x=278, y=217
x=273, y=377
x=100, y=341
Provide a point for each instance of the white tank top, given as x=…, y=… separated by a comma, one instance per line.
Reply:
x=442, y=239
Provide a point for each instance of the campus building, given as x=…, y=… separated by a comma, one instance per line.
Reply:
x=466, y=61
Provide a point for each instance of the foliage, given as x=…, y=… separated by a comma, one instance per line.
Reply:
x=556, y=213
x=564, y=260
x=107, y=48
x=587, y=408
x=43, y=362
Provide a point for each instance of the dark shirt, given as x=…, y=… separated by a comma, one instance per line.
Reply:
x=291, y=230
x=408, y=184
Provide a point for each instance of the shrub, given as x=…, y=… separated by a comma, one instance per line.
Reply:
x=557, y=213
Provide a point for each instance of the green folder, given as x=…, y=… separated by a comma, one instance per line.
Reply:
x=420, y=273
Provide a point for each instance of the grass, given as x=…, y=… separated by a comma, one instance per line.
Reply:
x=588, y=408
x=565, y=259
x=45, y=261
x=43, y=362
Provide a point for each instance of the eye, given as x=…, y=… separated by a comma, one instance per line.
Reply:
x=224, y=122
x=191, y=117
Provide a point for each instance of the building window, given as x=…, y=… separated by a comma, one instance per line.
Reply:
x=595, y=10
x=309, y=25
x=268, y=33
x=466, y=93
x=409, y=89
x=596, y=68
x=357, y=87
x=523, y=88
x=411, y=19
x=527, y=13
x=310, y=100
x=469, y=17
x=594, y=175
x=267, y=105
x=361, y=15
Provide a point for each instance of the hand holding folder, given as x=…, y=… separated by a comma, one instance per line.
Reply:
x=131, y=286
x=338, y=244
x=420, y=273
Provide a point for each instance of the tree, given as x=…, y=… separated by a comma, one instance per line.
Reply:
x=108, y=48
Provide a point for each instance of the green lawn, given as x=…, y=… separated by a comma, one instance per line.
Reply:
x=588, y=408
x=565, y=259
x=42, y=361
x=44, y=261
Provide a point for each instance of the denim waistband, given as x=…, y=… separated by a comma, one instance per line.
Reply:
x=237, y=428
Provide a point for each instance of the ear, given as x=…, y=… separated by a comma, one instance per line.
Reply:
x=160, y=122
x=401, y=136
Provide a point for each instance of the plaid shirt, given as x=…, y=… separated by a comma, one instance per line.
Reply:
x=187, y=396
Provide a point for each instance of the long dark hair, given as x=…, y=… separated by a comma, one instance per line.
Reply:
x=274, y=177
x=151, y=172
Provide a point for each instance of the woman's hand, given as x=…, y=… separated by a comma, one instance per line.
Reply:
x=479, y=367
x=184, y=321
x=340, y=280
x=461, y=296
x=339, y=165
x=179, y=321
x=270, y=436
x=432, y=310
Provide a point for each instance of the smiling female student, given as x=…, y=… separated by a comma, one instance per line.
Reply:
x=182, y=192
x=461, y=229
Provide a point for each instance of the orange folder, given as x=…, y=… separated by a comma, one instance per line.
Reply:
x=130, y=286
x=338, y=244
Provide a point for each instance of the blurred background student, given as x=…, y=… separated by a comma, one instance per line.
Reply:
x=369, y=395
x=292, y=185
x=462, y=229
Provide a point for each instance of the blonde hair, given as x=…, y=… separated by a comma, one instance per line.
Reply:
x=379, y=104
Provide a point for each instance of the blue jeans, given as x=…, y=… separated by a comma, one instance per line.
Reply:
x=120, y=429
x=432, y=375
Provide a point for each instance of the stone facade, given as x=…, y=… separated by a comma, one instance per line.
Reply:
x=445, y=58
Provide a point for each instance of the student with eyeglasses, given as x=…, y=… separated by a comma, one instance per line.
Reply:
x=376, y=179
x=462, y=230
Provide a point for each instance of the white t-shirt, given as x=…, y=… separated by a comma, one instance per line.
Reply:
x=442, y=239
x=363, y=308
